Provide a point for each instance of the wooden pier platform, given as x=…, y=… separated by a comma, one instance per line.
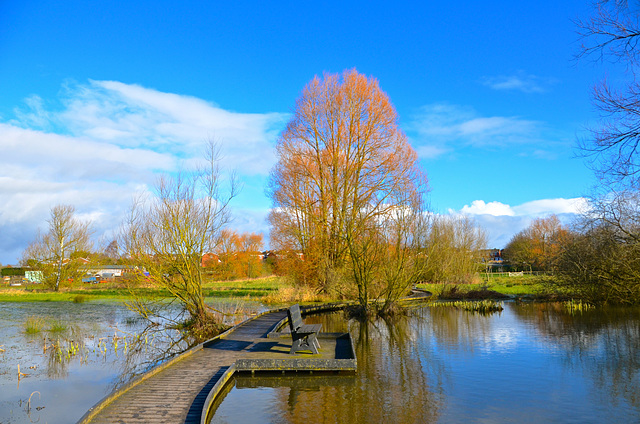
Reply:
x=337, y=353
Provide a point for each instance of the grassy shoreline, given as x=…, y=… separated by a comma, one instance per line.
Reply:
x=259, y=288
x=492, y=286
x=254, y=289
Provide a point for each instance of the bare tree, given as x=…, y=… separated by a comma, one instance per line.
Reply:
x=601, y=265
x=402, y=263
x=167, y=235
x=451, y=249
x=112, y=251
x=51, y=252
x=343, y=163
x=601, y=262
x=613, y=148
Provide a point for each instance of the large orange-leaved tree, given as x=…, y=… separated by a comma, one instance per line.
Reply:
x=345, y=171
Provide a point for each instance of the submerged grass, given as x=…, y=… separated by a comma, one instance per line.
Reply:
x=57, y=326
x=80, y=298
x=482, y=306
x=577, y=306
x=33, y=325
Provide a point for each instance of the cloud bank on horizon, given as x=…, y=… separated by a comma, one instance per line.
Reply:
x=503, y=221
x=102, y=142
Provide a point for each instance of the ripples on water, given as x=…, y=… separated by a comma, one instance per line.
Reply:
x=532, y=363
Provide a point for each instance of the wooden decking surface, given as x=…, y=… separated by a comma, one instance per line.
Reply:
x=177, y=393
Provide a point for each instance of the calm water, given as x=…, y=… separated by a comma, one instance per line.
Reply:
x=101, y=346
x=532, y=363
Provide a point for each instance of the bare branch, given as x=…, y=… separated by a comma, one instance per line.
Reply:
x=612, y=149
x=167, y=235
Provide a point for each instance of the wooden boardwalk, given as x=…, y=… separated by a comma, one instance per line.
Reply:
x=177, y=393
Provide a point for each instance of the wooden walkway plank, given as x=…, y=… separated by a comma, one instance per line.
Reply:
x=177, y=393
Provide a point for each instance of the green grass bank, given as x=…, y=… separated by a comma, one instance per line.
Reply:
x=276, y=289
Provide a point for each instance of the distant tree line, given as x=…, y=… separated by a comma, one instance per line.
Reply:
x=596, y=259
x=237, y=256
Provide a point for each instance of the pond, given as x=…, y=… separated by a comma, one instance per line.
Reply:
x=76, y=354
x=533, y=363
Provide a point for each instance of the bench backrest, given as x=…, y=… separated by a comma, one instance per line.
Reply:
x=295, y=319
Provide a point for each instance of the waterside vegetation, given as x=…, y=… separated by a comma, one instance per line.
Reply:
x=481, y=306
x=280, y=290
x=119, y=291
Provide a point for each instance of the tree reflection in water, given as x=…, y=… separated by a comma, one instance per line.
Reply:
x=457, y=330
x=151, y=347
x=535, y=361
x=390, y=385
x=129, y=353
x=604, y=342
x=82, y=353
x=156, y=344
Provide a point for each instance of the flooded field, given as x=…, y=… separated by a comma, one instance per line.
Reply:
x=57, y=359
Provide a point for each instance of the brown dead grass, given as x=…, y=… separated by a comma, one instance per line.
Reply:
x=289, y=294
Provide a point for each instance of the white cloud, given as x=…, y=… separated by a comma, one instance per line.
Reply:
x=552, y=206
x=105, y=141
x=521, y=81
x=437, y=128
x=479, y=207
x=503, y=221
x=429, y=152
x=534, y=208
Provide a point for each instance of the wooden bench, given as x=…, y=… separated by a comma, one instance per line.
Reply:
x=303, y=335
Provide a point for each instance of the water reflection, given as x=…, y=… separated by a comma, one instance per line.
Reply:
x=457, y=330
x=389, y=385
x=603, y=343
x=531, y=363
x=392, y=384
x=148, y=348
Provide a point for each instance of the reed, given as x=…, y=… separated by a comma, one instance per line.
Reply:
x=57, y=326
x=33, y=325
x=289, y=294
x=579, y=306
x=21, y=374
x=482, y=306
x=29, y=401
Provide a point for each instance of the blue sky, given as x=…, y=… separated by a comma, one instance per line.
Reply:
x=99, y=97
